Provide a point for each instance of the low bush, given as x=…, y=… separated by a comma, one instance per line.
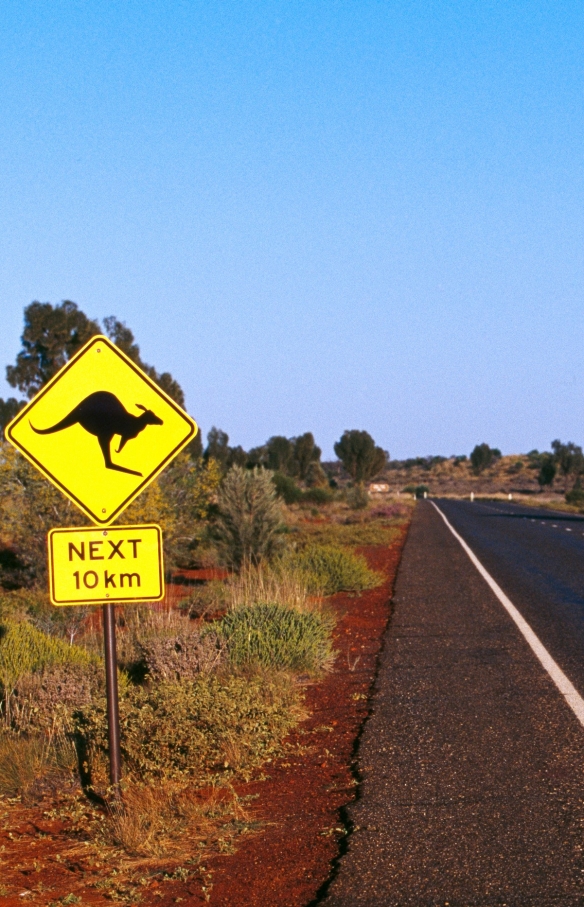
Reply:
x=327, y=569
x=181, y=657
x=357, y=497
x=318, y=495
x=24, y=650
x=273, y=636
x=201, y=728
x=286, y=488
x=44, y=700
x=208, y=598
x=576, y=495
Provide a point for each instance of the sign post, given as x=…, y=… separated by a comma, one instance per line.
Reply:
x=111, y=690
x=68, y=431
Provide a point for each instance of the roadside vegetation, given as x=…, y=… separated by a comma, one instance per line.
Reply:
x=212, y=681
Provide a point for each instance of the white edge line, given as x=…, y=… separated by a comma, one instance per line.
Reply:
x=566, y=688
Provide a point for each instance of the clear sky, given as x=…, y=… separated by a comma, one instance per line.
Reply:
x=317, y=215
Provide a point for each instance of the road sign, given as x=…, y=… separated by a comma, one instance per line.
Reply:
x=101, y=430
x=95, y=566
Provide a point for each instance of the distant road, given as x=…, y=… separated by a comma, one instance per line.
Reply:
x=537, y=557
x=472, y=790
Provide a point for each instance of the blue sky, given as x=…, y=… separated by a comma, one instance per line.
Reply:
x=317, y=215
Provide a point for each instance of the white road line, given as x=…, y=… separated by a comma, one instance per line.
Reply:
x=566, y=688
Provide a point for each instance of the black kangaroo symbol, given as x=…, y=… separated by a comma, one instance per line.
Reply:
x=102, y=415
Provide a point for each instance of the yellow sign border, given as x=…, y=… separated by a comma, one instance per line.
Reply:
x=105, y=601
x=100, y=338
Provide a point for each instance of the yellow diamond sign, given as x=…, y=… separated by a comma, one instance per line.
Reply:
x=101, y=430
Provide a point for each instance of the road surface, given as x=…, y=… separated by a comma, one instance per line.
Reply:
x=472, y=761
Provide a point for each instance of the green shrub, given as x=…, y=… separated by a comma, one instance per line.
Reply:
x=318, y=495
x=19, y=604
x=26, y=650
x=329, y=568
x=213, y=724
x=286, y=488
x=316, y=476
x=576, y=495
x=357, y=497
x=250, y=516
x=274, y=636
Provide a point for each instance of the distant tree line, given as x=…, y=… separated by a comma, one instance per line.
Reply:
x=54, y=333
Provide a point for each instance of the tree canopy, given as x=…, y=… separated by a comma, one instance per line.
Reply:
x=360, y=456
x=547, y=471
x=53, y=334
x=8, y=410
x=483, y=456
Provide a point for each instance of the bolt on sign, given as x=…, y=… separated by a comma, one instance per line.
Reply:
x=101, y=430
x=98, y=566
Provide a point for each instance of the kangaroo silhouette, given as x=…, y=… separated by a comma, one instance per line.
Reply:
x=102, y=415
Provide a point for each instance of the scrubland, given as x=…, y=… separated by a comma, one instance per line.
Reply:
x=514, y=474
x=211, y=681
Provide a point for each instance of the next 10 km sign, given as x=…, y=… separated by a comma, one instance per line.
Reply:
x=97, y=566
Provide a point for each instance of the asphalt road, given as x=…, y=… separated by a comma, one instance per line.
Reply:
x=472, y=761
x=537, y=557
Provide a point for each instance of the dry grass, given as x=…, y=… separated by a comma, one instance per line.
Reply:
x=172, y=820
x=274, y=585
x=27, y=762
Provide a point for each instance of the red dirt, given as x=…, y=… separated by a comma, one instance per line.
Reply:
x=289, y=860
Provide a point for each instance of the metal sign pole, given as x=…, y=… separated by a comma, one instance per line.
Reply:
x=111, y=688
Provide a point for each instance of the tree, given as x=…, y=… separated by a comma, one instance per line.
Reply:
x=53, y=334
x=547, y=470
x=483, y=456
x=123, y=337
x=217, y=447
x=237, y=456
x=305, y=452
x=360, y=456
x=8, y=410
x=569, y=458
x=279, y=454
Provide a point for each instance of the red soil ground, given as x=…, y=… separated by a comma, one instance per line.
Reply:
x=289, y=860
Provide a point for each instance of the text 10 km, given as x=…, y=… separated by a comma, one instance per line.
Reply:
x=90, y=579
